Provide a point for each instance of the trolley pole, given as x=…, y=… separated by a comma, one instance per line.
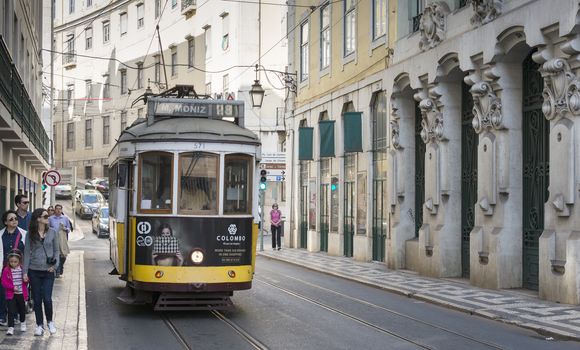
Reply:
x=262, y=199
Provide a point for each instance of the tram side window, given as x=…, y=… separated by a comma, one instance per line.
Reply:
x=237, y=175
x=113, y=186
x=155, y=187
x=198, y=183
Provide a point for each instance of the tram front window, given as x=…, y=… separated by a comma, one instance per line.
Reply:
x=198, y=183
x=156, y=182
x=237, y=175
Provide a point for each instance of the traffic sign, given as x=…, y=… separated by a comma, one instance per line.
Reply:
x=273, y=157
x=276, y=172
x=52, y=178
x=276, y=178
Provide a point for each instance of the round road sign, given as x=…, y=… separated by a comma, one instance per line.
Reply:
x=52, y=178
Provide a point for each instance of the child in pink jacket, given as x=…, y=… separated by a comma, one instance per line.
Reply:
x=16, y=291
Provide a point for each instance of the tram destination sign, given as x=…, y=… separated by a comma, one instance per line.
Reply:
x=188, y=107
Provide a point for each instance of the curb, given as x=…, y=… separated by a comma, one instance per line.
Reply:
x=82, y=337
x=540, y=329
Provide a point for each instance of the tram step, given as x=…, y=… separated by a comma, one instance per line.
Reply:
x=194, y=301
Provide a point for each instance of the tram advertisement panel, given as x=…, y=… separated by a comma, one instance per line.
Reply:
x=174, y=241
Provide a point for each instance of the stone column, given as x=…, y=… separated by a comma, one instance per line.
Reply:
x=496, y=238
x=9, y=201
x=560, y=241
x=401, y=184
x=440, y=236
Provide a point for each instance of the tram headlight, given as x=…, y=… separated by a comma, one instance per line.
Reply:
x=197, y=256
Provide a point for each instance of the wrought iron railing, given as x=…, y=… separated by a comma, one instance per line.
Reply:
x=417, y=22
x=17, y=101
x=69, y=58
x=186, y=3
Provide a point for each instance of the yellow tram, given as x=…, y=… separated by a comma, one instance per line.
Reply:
x=183, y=203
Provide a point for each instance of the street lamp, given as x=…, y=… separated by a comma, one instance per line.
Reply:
x=257, y=94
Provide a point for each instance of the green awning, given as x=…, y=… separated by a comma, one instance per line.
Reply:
x=305, y=143
x=352, y=132
x=326, y=128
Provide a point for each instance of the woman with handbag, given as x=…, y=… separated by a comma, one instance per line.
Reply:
x=12, y=237
x=41, y=252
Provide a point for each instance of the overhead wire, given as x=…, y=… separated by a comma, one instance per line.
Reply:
x=75, y=36
x=312, y=10
x=267, y=3
x=148, y=48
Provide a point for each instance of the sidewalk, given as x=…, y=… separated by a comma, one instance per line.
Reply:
x=518, y=308
x=69, y=307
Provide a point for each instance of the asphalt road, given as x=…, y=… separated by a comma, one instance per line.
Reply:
x=288, y=308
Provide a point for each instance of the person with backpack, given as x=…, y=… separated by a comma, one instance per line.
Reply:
x=12, y=237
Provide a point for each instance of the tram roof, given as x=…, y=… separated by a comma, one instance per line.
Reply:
x=187, y=129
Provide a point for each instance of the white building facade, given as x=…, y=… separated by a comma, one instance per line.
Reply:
x=107, y=54
x=24, y=144
x=483, y=169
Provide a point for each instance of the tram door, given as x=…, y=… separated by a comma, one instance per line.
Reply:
x=420, y=148
x=535, y=132
x=469, y=142
x=119, y=205
x=349, y=204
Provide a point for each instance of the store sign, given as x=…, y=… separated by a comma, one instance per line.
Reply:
x=189, y=241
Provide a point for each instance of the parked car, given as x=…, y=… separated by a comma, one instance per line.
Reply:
x=63, y=191
x=87, y=202
x=99, y=184
x=101, y=222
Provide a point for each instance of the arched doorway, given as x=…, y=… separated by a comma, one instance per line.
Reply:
x=324, y=210
x=469, y=142
x=535, y=169
x=420, y=149
x=304, y=167
x=379, y=209
x=349, y=199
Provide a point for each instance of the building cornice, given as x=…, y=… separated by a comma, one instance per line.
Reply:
x=89, y=17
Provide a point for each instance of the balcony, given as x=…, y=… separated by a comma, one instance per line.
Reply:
x=15, y=98
x=69, y=60
x=188, y=7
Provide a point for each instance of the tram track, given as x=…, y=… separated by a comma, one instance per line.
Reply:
x=254, y=343
x=173, y=329
x=371, y=305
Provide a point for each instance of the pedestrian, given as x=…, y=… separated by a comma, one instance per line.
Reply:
x=60, y=222
x=22, y=202
x=40, y=263
x=50, y=210
x=63, y=249
x=16, y=291
x=276, y=226
x=12, y=237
